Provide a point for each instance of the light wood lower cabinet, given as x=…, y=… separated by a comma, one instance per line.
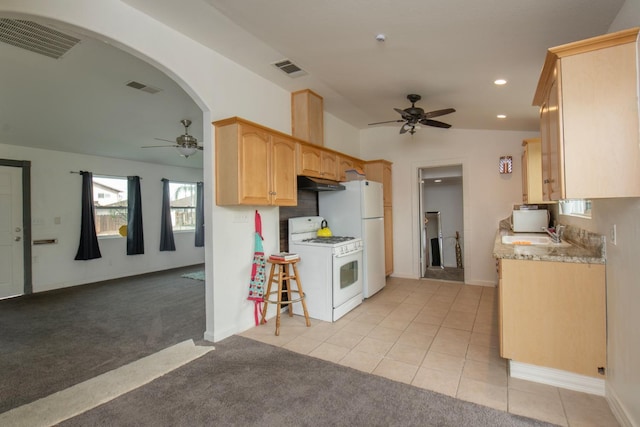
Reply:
x=553, y=314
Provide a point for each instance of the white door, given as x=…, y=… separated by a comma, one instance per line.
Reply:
x=11, y=241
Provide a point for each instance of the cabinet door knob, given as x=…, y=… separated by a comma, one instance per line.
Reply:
x=546, y=181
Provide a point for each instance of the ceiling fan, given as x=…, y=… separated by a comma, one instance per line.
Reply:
x=186, y=144
x=414, y=116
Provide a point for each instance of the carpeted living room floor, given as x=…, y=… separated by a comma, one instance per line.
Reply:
x=57, y=339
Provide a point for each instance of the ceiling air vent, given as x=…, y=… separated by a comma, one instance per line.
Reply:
x=143, y=87
x=37, y=38
x=289, y=68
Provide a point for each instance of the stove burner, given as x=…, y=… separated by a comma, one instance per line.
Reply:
x=329, y=240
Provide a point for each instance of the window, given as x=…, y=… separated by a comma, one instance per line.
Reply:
x=110, y=201
x=575, y=207
x=183, y=205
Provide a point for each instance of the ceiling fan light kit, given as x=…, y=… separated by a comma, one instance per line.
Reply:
x=414, y=116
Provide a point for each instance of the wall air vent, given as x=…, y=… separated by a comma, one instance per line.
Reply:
x=289, y=68
x=143, y=87
x=37, y=38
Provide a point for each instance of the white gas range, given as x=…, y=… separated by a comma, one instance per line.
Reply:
x=330, y=269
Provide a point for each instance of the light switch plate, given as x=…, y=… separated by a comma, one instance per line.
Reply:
x=241, y=217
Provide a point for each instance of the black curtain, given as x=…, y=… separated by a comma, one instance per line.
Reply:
x=199, y=214
x=135, y=237
x=88, y=248
x=166, y=228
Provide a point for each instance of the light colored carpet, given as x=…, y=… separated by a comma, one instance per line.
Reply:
x=196, y=275
x=87, y=395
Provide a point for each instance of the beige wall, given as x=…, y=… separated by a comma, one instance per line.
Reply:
x=487, y=196
x=623, y=298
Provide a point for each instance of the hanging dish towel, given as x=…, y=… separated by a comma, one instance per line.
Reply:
x=256, y=285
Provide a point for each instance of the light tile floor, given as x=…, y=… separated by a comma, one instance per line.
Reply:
x=437, y=335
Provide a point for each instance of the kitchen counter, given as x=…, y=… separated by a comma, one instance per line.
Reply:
x=585, y=247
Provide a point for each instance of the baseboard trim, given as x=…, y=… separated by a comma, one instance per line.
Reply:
x=618, y=408
x=557, y=378
x=487, y=283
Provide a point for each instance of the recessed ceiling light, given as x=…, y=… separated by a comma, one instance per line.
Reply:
x=501, y=116
x=500, y=82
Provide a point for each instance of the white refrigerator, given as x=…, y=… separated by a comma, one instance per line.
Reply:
x=358, y=211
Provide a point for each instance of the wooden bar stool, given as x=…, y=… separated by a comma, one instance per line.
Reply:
x=278, y=274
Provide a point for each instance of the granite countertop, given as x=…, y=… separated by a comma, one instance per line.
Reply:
x=585, y=247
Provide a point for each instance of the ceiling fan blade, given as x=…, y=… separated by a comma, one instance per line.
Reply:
x=404, y=114
x=160, y=146
x=435, y=123
x=438, y=113
x=161, y=139
x=389, y=121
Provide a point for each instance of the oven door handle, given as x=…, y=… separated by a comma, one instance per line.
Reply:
x=347, y=254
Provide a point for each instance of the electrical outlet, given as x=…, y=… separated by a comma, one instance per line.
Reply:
x=612, y=235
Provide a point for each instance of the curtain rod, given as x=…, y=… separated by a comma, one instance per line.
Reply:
x=101, y=174
x=180, y=182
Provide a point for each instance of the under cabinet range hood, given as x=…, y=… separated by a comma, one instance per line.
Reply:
x=318, y=184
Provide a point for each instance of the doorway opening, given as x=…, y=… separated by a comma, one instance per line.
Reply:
x=441, y=223
x=15, y=232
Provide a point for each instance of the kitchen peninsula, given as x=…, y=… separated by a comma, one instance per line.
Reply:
x=552, y=310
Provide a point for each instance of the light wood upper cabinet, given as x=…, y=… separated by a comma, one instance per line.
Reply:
x=307, y=116
x=317, y=162
x=532, y=171
x=346, y=163
x=553, y=314
x=254, y=166
x=283, y=167
x=587, y=94
x=329, y=165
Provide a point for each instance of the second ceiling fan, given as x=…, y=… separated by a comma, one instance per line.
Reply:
x=186, y=144
x=414, y=116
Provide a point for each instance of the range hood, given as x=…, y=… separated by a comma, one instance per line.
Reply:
x=318, y=184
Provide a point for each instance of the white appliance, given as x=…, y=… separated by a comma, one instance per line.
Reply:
x=358, y=210
x=529, y=221
x=330, y=269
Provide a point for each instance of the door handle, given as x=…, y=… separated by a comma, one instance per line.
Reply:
x=17, y=238
x=18, y=229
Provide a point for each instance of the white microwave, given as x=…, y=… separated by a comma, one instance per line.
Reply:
x=529, y=221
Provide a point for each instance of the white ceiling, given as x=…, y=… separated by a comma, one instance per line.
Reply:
x=450, y=52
